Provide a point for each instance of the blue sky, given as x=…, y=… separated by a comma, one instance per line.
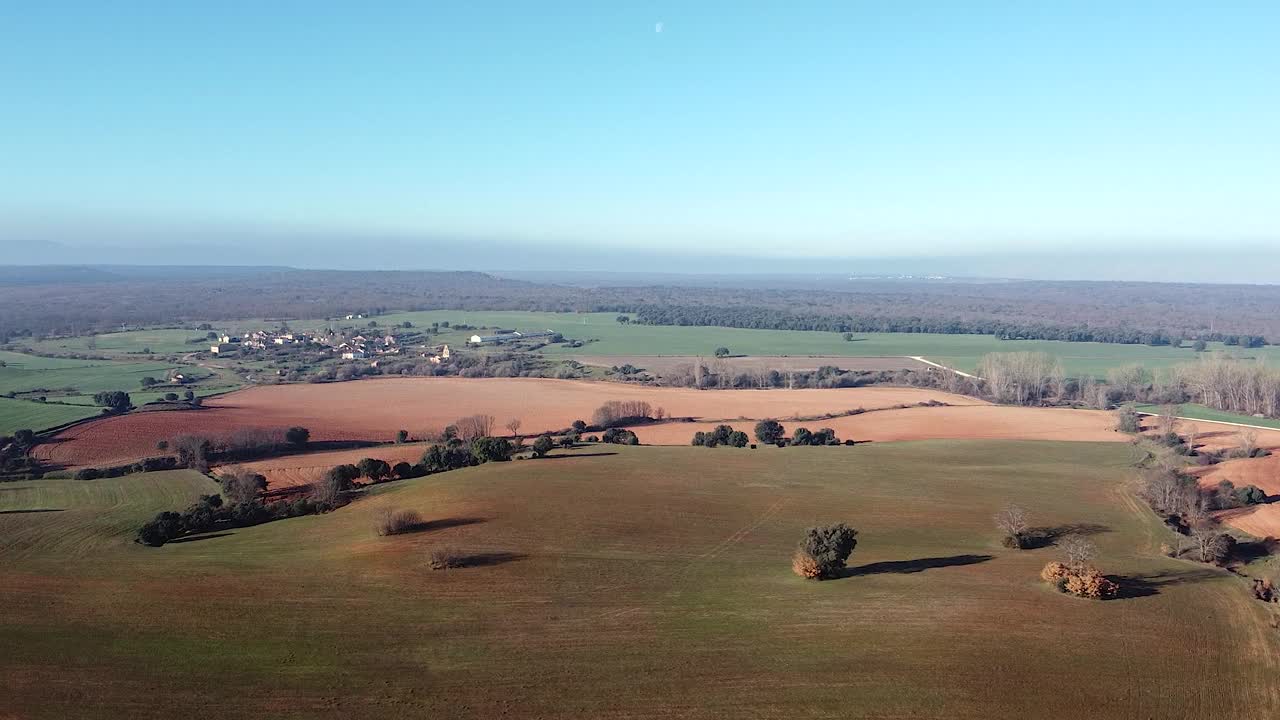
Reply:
x=842, y=129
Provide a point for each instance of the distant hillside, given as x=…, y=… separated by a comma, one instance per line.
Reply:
x=70, y=299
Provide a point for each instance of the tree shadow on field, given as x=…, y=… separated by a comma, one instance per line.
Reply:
x=35, y=510
x=198, y=538
x=577, y=455
x=1042, y=537
x=1139, y=586
x=904, y=567
x=441, y=524
x=488, y=559
x=1249, y=550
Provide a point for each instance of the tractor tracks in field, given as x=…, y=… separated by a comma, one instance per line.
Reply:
x=680, y=573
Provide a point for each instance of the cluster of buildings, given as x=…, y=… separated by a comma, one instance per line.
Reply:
x=260, y=339
x=357, y=347
x=501, y=336
x=360, y=347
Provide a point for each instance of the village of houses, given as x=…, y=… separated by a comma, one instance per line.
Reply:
x=356, y=346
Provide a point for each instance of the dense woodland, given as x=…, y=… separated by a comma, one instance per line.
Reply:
x=44, y=301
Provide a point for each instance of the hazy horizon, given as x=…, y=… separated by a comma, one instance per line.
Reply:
x=1089, y=141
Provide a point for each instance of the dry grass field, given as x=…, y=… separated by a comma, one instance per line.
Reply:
x=644, y=582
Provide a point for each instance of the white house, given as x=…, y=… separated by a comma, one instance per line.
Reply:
x=354, y=355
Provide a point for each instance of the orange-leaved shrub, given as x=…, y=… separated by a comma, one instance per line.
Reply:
x=803, y=564
x=1085, y=581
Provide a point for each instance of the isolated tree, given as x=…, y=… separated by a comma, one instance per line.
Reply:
x=1212, y=545
x=579, y=425
x=188, y=395
x=402, y=436
x=298, y=436
x=1012, y=520
x=542, y=445
x=1199, y=346
x=722, y=352
x=769, y=431
x=1078, y=550
x=1248, y=443
x=241, y=486
x=148, y=381
x=513, y=426
x=823, y=552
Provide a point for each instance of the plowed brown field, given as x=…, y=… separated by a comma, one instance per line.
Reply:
x=1261, y=520
x=376, y=409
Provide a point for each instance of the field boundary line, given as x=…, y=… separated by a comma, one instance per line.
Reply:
x=940, y=366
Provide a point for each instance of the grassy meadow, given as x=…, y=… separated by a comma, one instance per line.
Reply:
x=1196, y=411
x=630, y=582
x=963, y=352
x=69, y=385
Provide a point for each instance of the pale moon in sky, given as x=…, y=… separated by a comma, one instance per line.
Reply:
x=657, y=28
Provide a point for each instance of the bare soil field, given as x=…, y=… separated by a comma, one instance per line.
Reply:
x=375, y=410
x=666, y=364
x=972, y=422
x=297, y=470
x=1260, y=520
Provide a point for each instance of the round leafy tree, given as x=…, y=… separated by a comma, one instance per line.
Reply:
x=823, y=552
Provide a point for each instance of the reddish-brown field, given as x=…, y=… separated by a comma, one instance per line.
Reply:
x=1261, y=520
x=973, y=422
x=376, y=409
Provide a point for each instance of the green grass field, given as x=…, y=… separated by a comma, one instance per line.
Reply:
x=32, y=415
x=653, y=582
x=1200, y=412
x=131, y=342
x=70, y=385
x=959, y=351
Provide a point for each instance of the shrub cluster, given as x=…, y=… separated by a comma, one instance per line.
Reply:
x=396, y=522
x=625, y=412
x=722, y=435
x=151, y=464
x=211, y=513
x=825, y=436
x=1082, y=581
x=618, y=436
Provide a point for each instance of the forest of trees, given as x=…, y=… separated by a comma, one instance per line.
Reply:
x=41, y=303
